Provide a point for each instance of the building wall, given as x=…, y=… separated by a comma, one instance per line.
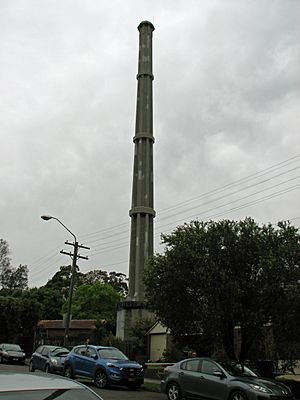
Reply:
x=158, y=344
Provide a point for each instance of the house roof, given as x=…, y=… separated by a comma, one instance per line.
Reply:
x=75, y=324
x=157, y=328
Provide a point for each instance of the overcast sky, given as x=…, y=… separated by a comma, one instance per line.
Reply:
x=226, y=120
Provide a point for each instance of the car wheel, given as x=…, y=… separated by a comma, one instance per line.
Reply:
x=69, y=372
x=47, y=369
x=31, y=367
x=238, y=395
x=173, y=391
x=101, y=380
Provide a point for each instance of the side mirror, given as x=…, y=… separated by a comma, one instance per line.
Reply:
x=219, y=374
x=94, y=356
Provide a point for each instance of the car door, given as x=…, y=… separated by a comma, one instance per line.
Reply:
x=44, y=357
x=189, y=378
x=77, y=359
x=90, y=361
x=214, y=383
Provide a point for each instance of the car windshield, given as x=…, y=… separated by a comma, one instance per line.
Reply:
x=236, y=368
x=12, y=347
x=59, y=394
x=59, y=351
x=114, y=354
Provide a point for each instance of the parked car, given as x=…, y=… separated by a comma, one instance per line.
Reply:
x=11, y=353
x=219, y=380
x=25, y=386
x=49, y=359
x=105, y=365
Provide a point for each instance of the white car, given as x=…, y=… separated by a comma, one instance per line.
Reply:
x=27, y=386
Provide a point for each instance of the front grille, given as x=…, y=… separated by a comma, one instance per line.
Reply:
x=132, y=372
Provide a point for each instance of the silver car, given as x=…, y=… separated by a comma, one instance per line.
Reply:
x=205, y=378
x=26, y=386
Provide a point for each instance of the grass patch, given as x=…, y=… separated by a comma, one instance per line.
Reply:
x=151, y=386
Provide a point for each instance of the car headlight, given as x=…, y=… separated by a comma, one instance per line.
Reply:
x=259, y=388
x=111, y=365
x=53, y=361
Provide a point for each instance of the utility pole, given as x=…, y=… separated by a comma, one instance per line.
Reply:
x=75, y=256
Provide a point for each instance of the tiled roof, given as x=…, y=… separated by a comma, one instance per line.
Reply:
x=75, y=324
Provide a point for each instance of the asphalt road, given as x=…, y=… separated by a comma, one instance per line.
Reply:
x=113, y=393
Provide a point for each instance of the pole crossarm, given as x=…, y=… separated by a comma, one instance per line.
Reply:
x=71, y=255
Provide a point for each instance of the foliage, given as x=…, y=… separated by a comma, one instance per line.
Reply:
x=98, y=301
x=4, y=257
x=61, y=280
x=15, y=279
x=50, y=301
x=17, y=318
x=116, y=279
x=216, y=275
x=111, y=340
x=138, y=332
x=11, y=279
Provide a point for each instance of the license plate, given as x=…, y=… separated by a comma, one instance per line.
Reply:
x=131, y=379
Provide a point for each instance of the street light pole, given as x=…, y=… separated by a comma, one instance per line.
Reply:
x=75, y=256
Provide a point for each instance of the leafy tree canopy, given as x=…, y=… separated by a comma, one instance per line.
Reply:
x=214, y=276
x=50, y=300
x=98, y=301
x=116, y=279
x=11, y=279
x=61, y=280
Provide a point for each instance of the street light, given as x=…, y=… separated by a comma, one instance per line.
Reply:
x=73, y=270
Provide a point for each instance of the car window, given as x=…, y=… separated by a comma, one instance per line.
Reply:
x=90, y=352
x=59, y=351
x=80, y=351
x=114, y=354
x=45, y=351
x=191, y=365
x=209, y=367
x=12, y=347
x=236, y=368
x=39, y=349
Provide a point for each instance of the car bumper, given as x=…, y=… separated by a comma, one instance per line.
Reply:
x=116, y=379
x=20, y=360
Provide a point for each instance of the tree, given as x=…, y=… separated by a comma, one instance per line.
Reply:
x=4, y=259
x=61, y=280
x=14, y=279
x=98, y=301
x=214, y=276
x=50, y=301
x=116, y=279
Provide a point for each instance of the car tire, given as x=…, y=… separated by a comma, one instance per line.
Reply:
x=238, y=395
x=47, y=369
x=68, y=372
x=31, y=367
x=173, y=391
x=101, y=380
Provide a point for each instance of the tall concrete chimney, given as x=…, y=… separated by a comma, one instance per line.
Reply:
x=142, y=211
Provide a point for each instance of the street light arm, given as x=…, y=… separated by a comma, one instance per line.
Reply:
x=47, y=217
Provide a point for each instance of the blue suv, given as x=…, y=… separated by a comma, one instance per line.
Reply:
x=105, y=365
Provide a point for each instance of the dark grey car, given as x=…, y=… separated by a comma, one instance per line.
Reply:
x=11, y=353
x=49, y=359
x=205, y=378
